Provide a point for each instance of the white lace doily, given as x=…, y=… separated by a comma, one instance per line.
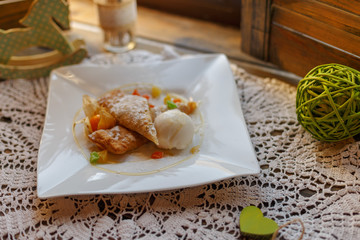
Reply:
x=300, y=177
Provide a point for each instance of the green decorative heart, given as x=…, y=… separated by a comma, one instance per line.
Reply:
x=255, y=225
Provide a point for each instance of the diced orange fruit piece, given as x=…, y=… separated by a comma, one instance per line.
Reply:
x=167, y=98
x=136, y=92
x=106, y=120
x=155, y=92
x=94, y=122
x=157, y=155
x=192, y=106
x=146, y=96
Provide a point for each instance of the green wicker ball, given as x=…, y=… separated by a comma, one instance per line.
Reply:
x=328, y=102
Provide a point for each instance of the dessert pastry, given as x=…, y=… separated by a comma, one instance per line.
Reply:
x=119, y=122
x=97, y=117
x=157, y=110
x=117, y=140
x=175, y=129
x=132, y=112
x=109, y=97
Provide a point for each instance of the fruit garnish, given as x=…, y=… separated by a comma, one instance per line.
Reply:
x=170, y=104
x=146, y=96
x=167, y=98
x=94, y=157
x=90, y=106
x=192, y=106
x=106, y=120
x=195, y=149
x=157, y=155
x=155, y=92
x=136, y=92
x=94, y=122
x=98, y=157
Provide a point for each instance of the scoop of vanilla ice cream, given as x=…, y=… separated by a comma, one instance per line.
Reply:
x=175, y=129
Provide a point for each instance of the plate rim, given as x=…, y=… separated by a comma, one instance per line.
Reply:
x=58, y=72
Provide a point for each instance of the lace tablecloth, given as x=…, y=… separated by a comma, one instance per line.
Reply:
x=300, y=177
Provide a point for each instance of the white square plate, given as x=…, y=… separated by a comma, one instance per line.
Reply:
x=225, y=152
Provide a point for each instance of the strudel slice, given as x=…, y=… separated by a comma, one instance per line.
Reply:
x=117, y=140
x=132, y=112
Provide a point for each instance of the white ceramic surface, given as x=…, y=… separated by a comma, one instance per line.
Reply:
x=226, y=150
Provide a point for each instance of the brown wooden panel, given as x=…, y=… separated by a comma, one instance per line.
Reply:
x=352, y=6
x=317, y=29
x=325, y=13
x=11, y=21
x=12, y=11
x=221, y=11
x=255, y=27
x=296, y=53
x=13, y=7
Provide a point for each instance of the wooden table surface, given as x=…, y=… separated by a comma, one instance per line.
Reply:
x=185, y=34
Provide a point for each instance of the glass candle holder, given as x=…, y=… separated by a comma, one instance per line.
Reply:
x=117, y=19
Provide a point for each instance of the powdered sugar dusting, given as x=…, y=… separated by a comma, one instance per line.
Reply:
x=133, y=112
x=117, y=139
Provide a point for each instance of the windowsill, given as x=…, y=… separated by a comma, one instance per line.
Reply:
x=186, y=33
x=173, y=29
